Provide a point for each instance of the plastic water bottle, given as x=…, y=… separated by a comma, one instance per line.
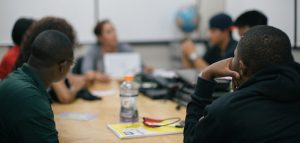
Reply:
x=128, y=95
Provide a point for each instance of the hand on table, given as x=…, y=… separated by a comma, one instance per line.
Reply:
x=103, y=78
x=77, y=82
x=148, y=69
x=93, y=76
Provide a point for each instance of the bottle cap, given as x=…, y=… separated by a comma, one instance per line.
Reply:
x=128, y=77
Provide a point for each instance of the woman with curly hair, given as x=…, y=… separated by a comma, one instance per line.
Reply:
x=64, y=91
x=47, y=23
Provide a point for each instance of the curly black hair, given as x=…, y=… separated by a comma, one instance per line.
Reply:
x=46, y=23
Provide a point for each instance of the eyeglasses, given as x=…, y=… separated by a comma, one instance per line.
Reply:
x=72, y=62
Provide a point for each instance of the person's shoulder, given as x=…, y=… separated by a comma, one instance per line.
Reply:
x=92, y=51
x=22, y=95
x=125, y=47
x=93, y=48
x=24, y=89
x=18, y=83
x=10, y=53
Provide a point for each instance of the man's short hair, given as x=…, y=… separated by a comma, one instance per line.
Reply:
x=251, y=18
x=262, y=46
x=51, y=47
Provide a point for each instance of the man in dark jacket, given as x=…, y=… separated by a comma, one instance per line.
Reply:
x=264, y=108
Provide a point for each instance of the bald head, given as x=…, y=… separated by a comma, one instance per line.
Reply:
x=51, y=47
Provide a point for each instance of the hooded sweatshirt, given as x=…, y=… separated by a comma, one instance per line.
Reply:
x=264, y=109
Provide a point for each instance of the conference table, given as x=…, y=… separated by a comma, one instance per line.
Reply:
x=107, y=111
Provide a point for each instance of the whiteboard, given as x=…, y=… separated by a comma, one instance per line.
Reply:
x=298, y=23
x=143, y=20
x=79, y=13
x=280, y=13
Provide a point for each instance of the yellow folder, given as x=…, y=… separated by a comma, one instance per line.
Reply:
x=138, y=129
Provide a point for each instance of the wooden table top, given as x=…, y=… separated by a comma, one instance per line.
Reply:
x=107, y=111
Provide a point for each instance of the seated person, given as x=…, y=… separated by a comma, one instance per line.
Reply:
x=220, y=38
x=8, y=61
x=107, y=42
x=25, y=111
x=46, y=23
x=250, y=19
x=265, y=104
x=61, y=91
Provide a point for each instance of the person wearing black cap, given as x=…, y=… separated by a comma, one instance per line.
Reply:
x=250, y=19
x=220, y=39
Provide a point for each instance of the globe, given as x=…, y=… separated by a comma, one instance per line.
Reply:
x=187, y=19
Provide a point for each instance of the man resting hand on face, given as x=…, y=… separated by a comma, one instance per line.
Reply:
x=265, y=105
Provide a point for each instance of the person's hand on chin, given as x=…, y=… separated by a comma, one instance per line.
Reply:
x=219, y=69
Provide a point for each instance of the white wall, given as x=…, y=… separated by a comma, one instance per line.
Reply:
x=280, y=13
x=80, y=13
x=298, y=23
x=144, y=20
x=135, y=20
x=207, y=9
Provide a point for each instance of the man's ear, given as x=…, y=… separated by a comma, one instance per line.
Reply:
x=61, y=67
x=243, y=69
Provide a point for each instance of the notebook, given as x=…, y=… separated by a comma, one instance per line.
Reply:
x=138, y=129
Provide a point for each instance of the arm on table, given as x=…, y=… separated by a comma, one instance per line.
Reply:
x=65, y=94
x=201, y=125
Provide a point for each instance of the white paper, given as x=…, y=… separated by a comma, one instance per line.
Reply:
x=119, y=64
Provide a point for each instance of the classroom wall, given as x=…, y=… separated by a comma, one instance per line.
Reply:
x=83, y=14
x=280, y=13
x=150, y=21
x=298, y=24
x=144, y=20
x=79, y=13
x=207, y=9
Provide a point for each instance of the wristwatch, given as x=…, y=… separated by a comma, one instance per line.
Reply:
x=193, y=56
